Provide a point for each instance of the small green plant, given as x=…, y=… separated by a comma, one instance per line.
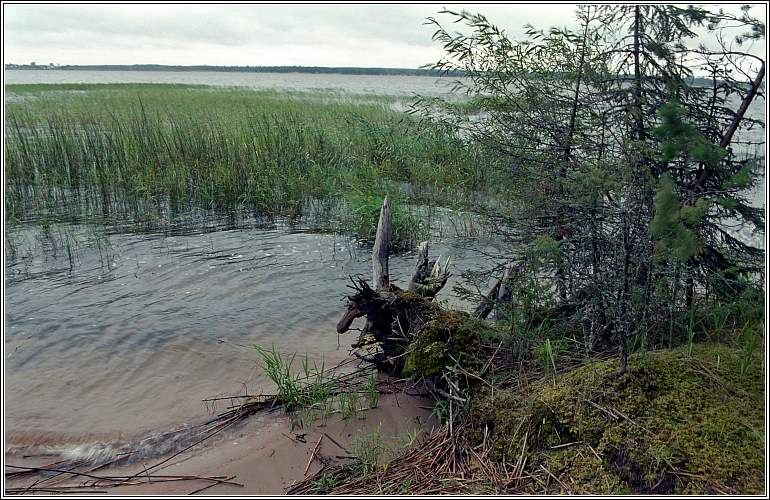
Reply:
x=369, y=450
x=324, y=484
x=548, y=356
x=348, y=401
x=306, y=392
x=405, y=484
x=690, y=332
x=407, y=439
x=719, y=317
x=372, y=392
x=327, y=409
x=750, y=341
x=441, y=411
x=279, y=370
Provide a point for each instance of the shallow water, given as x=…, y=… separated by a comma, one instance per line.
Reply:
x=126, y=338
x=355, y=84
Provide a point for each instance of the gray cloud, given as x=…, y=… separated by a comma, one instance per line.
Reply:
x=349, y=35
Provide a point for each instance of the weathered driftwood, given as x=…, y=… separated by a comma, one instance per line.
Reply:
x=421, y=266
x=505, y=293
x=392, y=314
x=380, y=251
x=499, y=293
x=432, y=278
x=392, y=318
x=406, y=333
x=487, y=302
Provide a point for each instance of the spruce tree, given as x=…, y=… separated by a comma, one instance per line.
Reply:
x=624, y=168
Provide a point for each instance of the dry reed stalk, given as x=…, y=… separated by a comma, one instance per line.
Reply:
x=312, y=455
x=439, y=465
x=226, y=481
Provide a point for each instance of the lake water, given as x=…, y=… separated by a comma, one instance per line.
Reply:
x=121, y=338
x=355, y=84
x=125, y=338
x=122, y=341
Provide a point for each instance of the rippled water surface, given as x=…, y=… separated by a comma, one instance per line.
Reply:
x=127, y=333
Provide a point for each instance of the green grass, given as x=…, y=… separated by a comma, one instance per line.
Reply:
x=364, y=213
x=372, y=392
x=547, y=356
x=370, y=452
x=310, y=392
x=107, y=148
x=294, y=390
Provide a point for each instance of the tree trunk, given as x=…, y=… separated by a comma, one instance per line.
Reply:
x=638, y=73
x=623, y=300
x=744, y=107
x=576, y=96
x=561, y=231
x=728, y=137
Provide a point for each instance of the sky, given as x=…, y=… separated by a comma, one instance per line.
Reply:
x=256, y=35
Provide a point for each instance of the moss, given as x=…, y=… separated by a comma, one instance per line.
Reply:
x=672, y=424
x=447, y=338
x=425, y=360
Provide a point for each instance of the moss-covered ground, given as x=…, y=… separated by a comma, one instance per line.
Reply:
x=677, y=422
x=449, y=338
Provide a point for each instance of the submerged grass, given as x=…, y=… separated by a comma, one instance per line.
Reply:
x=179, y=146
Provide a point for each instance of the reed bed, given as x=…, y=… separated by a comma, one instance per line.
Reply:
x=105, y=147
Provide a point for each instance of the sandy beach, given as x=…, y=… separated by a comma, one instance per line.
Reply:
x=262, y=456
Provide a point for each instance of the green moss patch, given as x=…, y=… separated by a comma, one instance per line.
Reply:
x=448, y=338
x=675, y=423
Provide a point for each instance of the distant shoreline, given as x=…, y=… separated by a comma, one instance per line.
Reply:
x=240, y=69
x=310, y=70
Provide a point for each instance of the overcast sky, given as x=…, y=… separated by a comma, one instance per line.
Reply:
x=255, y=35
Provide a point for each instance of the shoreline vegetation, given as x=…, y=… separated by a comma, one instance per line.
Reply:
x=522, y=415
x=579, y=425
x=618, y=347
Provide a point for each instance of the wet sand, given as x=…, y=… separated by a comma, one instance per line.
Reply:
x=265, y=454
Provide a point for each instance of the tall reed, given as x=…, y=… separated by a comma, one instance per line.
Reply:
x=104, y=148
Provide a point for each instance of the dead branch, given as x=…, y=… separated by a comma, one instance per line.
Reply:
x=381, y=250
x=487, y=301
x=421, y=266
